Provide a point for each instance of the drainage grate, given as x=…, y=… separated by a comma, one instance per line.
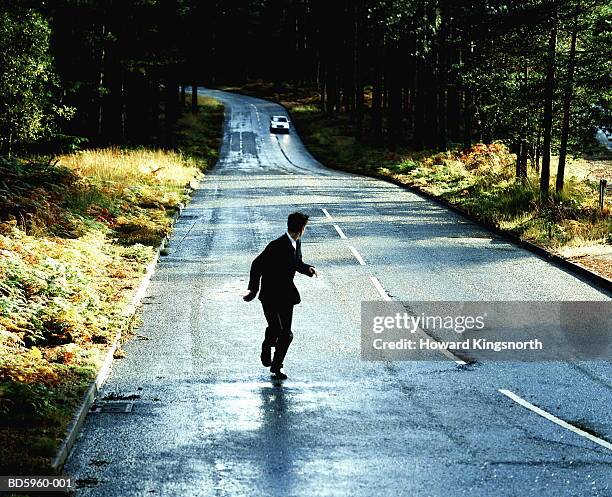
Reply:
x=113, y=407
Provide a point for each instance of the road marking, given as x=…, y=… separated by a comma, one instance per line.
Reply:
x=385, y=296
x=357, y=256
x=340, y=232
x=327, y=215
x=555, y=419
x=445, y=352
x=256, y=113
x=380, y=289
x=383, y=293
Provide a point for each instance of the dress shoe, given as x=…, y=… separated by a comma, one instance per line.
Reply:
x=278, y=374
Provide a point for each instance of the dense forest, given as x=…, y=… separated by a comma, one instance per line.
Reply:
x=433, y=73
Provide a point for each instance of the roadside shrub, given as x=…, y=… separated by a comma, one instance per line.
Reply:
x=76, y=235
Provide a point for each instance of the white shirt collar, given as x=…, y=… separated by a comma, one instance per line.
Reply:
x=292, y=240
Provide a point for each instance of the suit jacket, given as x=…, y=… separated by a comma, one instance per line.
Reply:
x=276, y=267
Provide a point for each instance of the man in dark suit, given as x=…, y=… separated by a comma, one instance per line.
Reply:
x=276, y=267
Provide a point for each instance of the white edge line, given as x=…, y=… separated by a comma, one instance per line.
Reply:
x=328, y=215
x=387, y=298
x=380, y=288
x=357, y=255
x=443, y=351
x=555, y=419
x=340, y=232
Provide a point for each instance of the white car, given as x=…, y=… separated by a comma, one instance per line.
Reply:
x=279, y=124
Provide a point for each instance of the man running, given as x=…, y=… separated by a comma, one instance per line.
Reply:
x=276, y=267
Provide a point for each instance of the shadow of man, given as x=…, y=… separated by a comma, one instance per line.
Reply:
x=277, y=439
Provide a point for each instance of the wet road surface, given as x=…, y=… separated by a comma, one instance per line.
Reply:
x=207, y=420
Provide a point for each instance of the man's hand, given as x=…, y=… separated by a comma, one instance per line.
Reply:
x=249, y=296
x=313, y=271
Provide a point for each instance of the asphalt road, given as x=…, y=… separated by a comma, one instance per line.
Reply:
x=207, y=420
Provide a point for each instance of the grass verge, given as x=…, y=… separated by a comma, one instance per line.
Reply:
x=480, y=180
x=76, y=235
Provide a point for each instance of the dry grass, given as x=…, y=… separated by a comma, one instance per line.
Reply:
x=586, y=249
x=584, y=169
x=209, y=104
x=75, y=237
x=133, y=166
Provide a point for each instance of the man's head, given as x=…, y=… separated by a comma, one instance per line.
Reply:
x=296, y=223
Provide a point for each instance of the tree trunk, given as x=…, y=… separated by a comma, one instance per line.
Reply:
x=358, y=67
x=549, y=88
x=321, y=79
x=453, y=103
x=377, y=90
x=101, y=81
x=113, y=103
x=419, y=106
x=171, y=112
x=567, y=104
x=395, y=96
x=538, y=150
x=348, y=76
x=521, y=156
x=138, y=103
x=467, y=119
x=124, y=122
x=442, y=80
x=194, y=98
x=155, y=111
x=331, y=85
x=524, y=153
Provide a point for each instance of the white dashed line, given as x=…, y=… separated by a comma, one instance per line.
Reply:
x=385, y=296
x=357, y=256
x=555, y=419
x=340, y=232
x=380, y=289
x=327, y=215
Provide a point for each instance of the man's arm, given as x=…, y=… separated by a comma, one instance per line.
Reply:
x=301, y=266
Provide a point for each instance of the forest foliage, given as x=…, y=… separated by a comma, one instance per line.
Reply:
x=479, y=180
x=436, y=74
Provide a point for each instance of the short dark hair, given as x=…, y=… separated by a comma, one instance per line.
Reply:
x=296, y=221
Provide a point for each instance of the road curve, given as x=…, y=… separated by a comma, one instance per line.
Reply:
x=208, y=421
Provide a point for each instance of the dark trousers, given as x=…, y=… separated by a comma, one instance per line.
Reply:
x=278, y=332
